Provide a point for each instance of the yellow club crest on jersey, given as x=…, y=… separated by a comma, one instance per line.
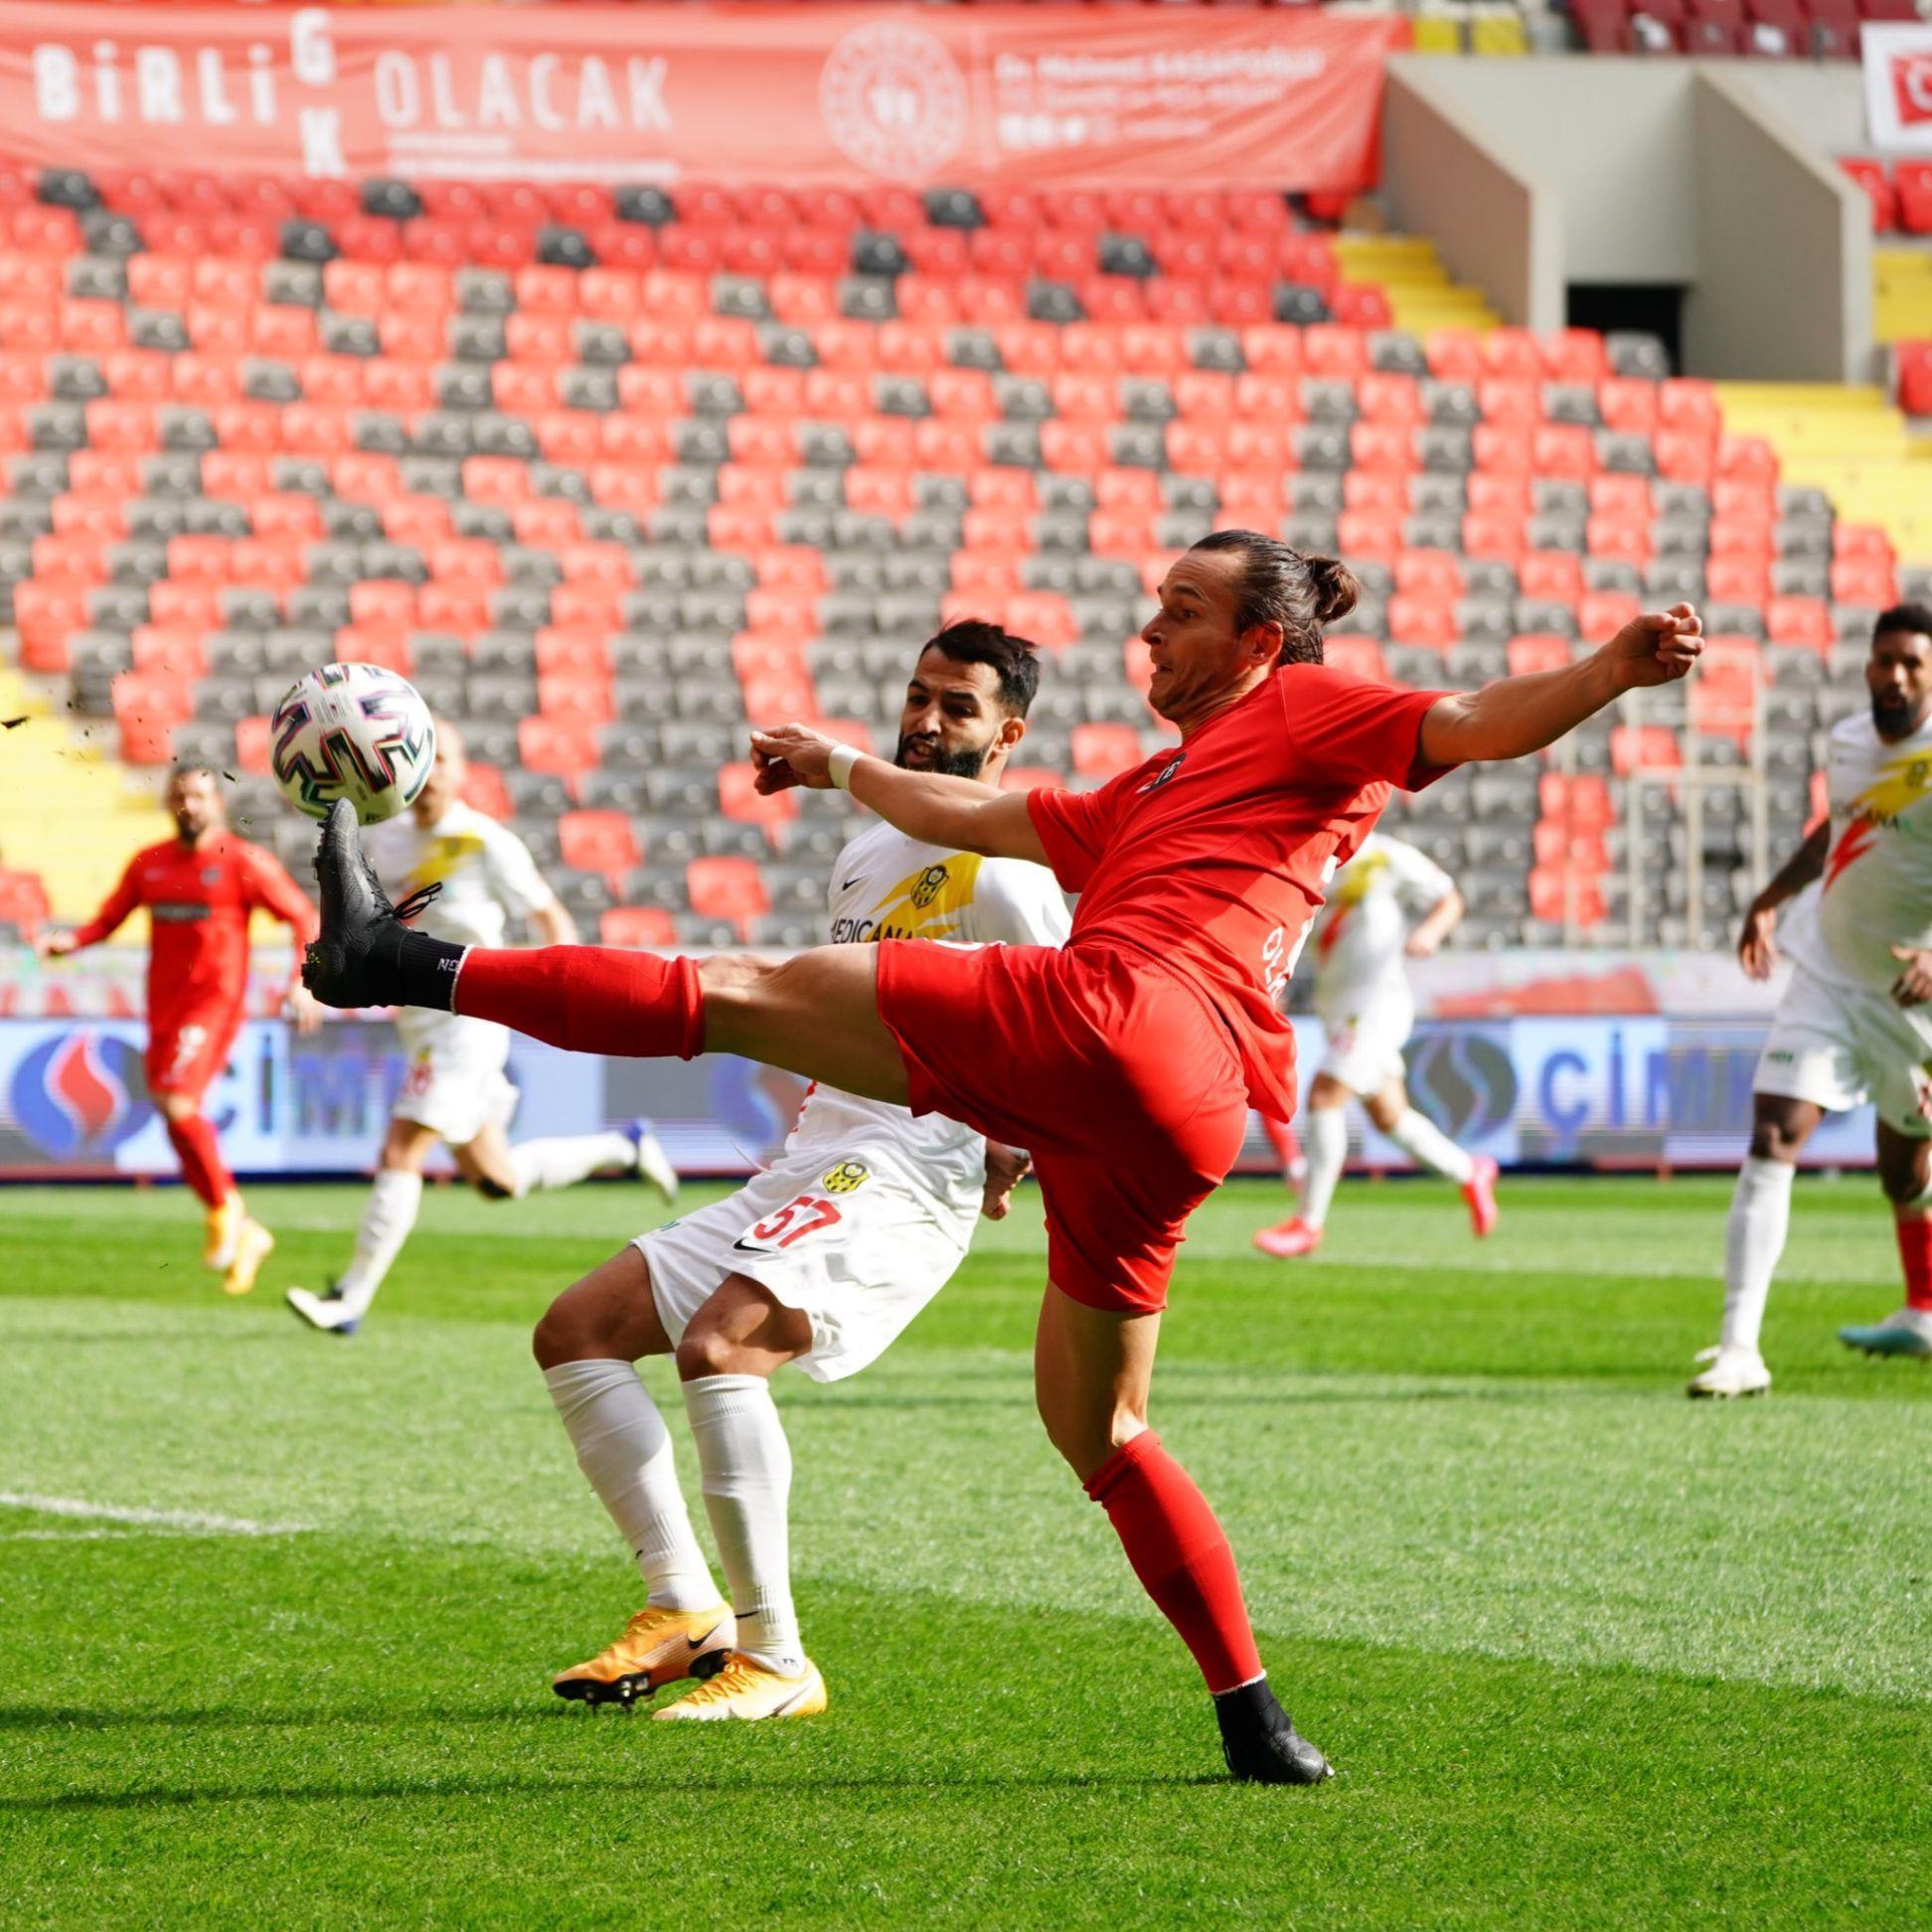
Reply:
x=927, y=904
x=441, y=856
x=1901, y=782
x=847, y=1178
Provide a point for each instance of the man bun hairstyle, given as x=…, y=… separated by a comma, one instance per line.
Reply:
x=1014, y=660
x=1279, y=585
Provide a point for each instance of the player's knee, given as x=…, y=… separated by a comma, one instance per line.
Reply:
x=566, y=1332
x=1905, y=1187
x=706, y=1350
x=1777, y=1138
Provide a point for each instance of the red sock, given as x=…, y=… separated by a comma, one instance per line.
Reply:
x=200, y=1154
x=1915, y=1251
x=1180, y=1556
x=1281, y=1137
x=588, y=999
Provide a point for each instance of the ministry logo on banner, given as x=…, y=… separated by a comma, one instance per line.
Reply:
x=79, y=1094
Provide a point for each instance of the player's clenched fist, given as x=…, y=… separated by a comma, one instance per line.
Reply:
x=1913, y=987
x=1657, y=648
x=791, y=754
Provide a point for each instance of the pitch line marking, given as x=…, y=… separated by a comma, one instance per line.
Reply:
x=218, y=1526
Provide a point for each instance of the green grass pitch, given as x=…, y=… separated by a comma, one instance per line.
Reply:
x=1585, y=1653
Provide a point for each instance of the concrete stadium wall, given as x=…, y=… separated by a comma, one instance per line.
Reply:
x=1783, y=289
x=1493, y=223
x=1714, y=176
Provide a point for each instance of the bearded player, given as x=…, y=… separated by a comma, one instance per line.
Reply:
x=1389, y=903
x=1125, y=1061
x=822, y=1260
x=200, y=888
x=1854, y=1023
x=456, y=1090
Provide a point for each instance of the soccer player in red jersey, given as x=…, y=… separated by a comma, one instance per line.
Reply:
x=200, y=888
x=1125, y=1061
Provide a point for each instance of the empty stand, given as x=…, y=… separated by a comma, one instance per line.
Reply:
x=613, y=474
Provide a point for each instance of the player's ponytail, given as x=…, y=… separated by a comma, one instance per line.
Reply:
x=1334, y=588
x=1279, y=585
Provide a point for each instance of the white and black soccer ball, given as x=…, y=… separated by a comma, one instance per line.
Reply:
x=354, y=732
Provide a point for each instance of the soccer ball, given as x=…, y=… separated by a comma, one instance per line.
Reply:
x=354, y=732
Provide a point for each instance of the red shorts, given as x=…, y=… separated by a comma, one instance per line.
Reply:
x=186, y=1051
x=1120, y=1079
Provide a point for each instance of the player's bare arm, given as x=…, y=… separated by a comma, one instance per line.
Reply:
x=1757, y=949
x=554, y=924
x=1518, y=715
x=957, y=812
x=1435, y=925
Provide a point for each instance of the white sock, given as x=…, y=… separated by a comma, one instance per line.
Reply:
x=1325, y=1144
x=746, y=1461
x=563, y=1162
x=394, y=1198
x=1417, y=1135
x=624, y=1449
x=1754, y=1238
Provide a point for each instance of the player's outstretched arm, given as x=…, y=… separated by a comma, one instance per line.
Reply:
x=959, y=813
x=1441, y=919
x=121, y=902
x=1516, y=716
x=1757, y=949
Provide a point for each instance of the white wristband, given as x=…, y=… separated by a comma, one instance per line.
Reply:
x=838, y=764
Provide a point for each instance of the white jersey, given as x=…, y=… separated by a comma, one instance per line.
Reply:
x=485, y=871
x=886, y=885
x=1876, y=888
x=1373, y=905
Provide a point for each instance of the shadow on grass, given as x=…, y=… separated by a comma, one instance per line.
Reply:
x=672, y=1777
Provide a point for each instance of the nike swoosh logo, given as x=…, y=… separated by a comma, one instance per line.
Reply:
x=849, y=885
x=803, y=1690
x=699, y=1643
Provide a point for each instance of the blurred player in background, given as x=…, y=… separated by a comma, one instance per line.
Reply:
x=456, y=1089
x=1390, y=903
x=821, y=1260
x=1854, y=1023
x=200, y=888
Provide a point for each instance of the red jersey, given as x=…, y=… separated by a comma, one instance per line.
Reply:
x=1214, y=857
x=198, y=898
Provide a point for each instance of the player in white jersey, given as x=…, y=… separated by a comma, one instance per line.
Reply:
x=1390, y=903
x=456, y=1089
x=821, y=1260
x=1854, y=1023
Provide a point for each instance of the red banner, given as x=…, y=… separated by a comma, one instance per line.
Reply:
x=835, y=94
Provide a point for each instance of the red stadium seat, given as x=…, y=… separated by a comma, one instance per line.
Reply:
x=1103, y=751
x=599, y=842
x=643, y=928
x=563, y=747
x=729, y=890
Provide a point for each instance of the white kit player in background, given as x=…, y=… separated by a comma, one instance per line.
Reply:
x=1854, y=1022
x=1387, y=905
x=456, y=1089
x=821, y=1260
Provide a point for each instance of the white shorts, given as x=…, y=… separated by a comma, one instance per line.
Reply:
x=455, y=1086
x=1838, y=1045
x=857, y=1250
x=1364, y=1045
